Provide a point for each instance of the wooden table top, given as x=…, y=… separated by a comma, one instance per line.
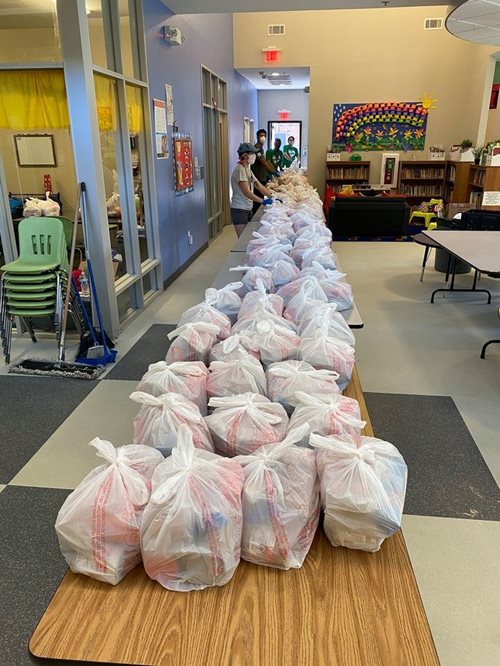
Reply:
x=480, y=249
x=342, y=608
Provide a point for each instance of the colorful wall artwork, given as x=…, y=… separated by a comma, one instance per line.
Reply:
x=380, y=125
x=183, y=164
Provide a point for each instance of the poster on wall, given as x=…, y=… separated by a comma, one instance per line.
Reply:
x=380, y=125
x=389, y=173
x=183, y=164
x=169, y=96
x=160, y=125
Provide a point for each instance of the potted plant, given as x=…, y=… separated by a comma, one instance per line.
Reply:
x=466, y=151
x=478, y=151
x=437, y=153
x=334, y=154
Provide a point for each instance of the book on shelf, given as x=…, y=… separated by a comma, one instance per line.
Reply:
x=421, y=191
x=342, y=173
x=452, y=172
x=478, y=178
x=475, y=198
x=422, y=172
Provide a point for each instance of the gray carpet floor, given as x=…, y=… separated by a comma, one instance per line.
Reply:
x=447, y=475
x=32, y=410
x=150, y=348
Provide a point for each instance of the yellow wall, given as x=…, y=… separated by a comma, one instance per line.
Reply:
x=373, y=55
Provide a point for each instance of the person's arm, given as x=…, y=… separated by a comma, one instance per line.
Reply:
x=248, y=192
x=262, y=188
x=267, y=165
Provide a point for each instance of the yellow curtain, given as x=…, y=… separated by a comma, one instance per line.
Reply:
x=134, y=109
x=105, y=96
x=33, y=99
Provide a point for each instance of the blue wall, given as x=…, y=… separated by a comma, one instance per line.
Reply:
x=208, y=41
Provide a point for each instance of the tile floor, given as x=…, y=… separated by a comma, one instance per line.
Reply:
x=407, y=346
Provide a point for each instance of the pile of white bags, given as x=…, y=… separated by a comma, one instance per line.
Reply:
x=326, y=414
x=257, y=316
x=285, y=379
x=191, y=528
x=363, y=485
x=159, y=419
x=271, y=302
x=280, y=503
x=187, y=378
x=324, y=316
x=192, y=342
x=283, y=272
x=98, y=524
x=243, y=375
x=243, y=423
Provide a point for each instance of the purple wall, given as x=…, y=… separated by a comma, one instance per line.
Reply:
x=208, y=41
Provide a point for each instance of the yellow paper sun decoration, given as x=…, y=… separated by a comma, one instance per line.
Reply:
x=428, y=101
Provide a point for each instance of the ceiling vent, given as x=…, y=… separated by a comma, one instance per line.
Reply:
x=433, y=24
x=281, y=80
x=275, y=30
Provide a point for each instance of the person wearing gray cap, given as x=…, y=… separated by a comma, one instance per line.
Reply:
x=243, y=182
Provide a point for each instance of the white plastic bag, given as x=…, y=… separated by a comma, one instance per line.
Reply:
x=363, y=485
x=231, y=349
x=322, y=351
x=271, y=302
x=324, y=316
x=193, y=342
x=47, y=207
x=274, y=342
x=98, y=524
x=252, y=274
x=260, y=314
x=280, y=503
x=270, y=254
x=326, y=414
x=323, y=256
x=204, y=312
x=243, y=423
x=286, y=378
x=159, y=419
x=226, y=299
x=309, y=290
x=308, y=286
x=188, y=379
x=242, y=375
x=283, y=272
x=191, y=528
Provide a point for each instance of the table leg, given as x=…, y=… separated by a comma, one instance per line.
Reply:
x=452, y=267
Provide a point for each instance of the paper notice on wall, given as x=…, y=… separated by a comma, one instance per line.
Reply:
x=160, y=125
x=491, y=199
x=170, y=104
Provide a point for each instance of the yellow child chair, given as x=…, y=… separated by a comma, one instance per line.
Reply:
x=428, y=210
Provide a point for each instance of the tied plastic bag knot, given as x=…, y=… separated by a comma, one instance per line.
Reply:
x=366, y=455
x=197, y=326
x=167, y=401
x=185, y=368
x=251, y=402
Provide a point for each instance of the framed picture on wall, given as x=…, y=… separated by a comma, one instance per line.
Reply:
x=35, y=150
x=389, y=171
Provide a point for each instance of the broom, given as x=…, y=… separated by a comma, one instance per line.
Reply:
x=61, y=368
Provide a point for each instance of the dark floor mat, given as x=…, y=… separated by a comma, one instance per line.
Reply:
x=447, y=475
x=151, y=348
x=31, y=565
x=32, y=410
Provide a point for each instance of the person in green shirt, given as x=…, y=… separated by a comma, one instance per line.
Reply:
x=275, y=155
x=290, y=153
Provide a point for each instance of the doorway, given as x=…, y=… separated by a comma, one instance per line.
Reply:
x=283, y=129
x=216, y=141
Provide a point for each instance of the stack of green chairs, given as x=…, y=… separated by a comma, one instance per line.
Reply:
x=34, y=284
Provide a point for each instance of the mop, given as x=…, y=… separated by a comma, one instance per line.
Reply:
x=60, y=367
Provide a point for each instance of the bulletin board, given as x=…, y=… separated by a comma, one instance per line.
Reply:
x=35, y=150
x=183, y=164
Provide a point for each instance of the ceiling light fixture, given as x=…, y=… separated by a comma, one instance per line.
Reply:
x=275, y=74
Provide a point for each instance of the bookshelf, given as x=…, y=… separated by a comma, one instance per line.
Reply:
x=422, y=180
x=347, y=173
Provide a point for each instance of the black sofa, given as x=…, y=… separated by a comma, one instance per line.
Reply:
x=368, y=216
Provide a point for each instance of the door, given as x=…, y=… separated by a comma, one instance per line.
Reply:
x=282, y=129
x=215, y=136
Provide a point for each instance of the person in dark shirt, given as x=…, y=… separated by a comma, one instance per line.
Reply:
x=262, y=169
